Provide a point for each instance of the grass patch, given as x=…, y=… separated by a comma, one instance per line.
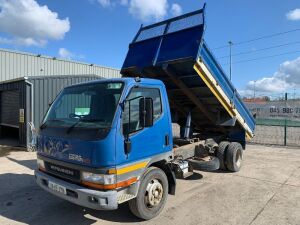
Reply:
x=278, y=122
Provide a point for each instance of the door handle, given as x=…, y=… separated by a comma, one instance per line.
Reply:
x=167, y=140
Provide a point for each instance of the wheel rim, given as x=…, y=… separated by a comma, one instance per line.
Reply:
x=154, y=193
x=238, y=159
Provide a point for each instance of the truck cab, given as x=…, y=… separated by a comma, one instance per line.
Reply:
x=102, y=135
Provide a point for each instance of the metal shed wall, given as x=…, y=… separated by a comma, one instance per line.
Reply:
x=17, y=64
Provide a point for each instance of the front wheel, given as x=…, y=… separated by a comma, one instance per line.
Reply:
x=152, y=194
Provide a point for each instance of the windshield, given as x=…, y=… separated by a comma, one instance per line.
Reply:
x=85, y=106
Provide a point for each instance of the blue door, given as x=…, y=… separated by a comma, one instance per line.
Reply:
x=145, y=142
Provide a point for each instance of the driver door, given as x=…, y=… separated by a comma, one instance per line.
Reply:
x=148, y=141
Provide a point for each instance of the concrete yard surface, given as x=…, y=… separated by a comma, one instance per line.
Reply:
x=265, y=191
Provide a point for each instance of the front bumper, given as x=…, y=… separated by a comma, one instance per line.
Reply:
x=79, y=195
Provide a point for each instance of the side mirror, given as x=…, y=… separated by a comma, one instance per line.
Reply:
x=146, y=112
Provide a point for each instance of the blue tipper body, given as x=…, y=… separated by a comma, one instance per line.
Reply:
x=179, y=43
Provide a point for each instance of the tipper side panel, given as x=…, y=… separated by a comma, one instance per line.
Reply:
x=230, y=94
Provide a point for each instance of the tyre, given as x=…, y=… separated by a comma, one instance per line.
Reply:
x=221, y=154
x=152, y=194
x=211, y=165
x=234, y=157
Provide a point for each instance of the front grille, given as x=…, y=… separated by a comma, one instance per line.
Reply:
x=63, y=171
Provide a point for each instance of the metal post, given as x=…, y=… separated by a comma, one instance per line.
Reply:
x=294, y=94
x=31, y=99
x=230, y=58
x=254, y=94
x=33, y=131
x=285, y=121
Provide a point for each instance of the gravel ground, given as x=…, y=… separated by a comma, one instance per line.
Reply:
x=265, y=191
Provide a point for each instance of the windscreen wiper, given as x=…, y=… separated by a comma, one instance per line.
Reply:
x=82, y=120
x=44, y=125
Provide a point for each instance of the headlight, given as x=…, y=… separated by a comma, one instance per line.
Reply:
x=41, y=164
x=99, y=178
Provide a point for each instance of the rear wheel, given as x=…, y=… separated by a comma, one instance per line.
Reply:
x=221, y=154
x=234, y=157
x=152, y=194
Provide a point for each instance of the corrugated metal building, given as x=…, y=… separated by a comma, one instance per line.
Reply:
x=27, y=99
x=28, y=83
x=17, y=64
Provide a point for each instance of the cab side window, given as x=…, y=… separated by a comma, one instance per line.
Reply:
x=135, y=93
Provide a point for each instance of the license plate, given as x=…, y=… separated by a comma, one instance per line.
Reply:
x=58, y=188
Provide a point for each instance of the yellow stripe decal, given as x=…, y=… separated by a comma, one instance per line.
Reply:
x=222, y=98
x=131, y=168
x=212, y=88
x=248, y=137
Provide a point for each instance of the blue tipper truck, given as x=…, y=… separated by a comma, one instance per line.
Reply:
x=112, y=141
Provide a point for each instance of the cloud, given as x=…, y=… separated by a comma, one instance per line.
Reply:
x=105, y=3
x=124, y=2
x=246, y=92
x=65, y=54
x=286, y=77
x=110, y=3
x=293, y=14
x=269, y=84
x=30, y=24
x=5, y=41
x=22, y=41
x=176, y=9
x=145, y=10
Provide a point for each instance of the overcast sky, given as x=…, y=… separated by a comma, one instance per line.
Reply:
x=99, y=31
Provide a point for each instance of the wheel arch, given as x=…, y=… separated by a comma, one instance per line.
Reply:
x=166, y=167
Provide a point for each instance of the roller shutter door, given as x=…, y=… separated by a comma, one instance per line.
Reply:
x=9, y=108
